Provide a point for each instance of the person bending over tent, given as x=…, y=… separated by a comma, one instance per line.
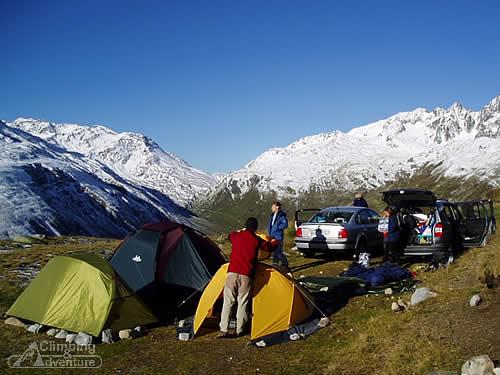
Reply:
x=237, y=289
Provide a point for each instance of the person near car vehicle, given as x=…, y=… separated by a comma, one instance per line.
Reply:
x=238, y=286
x=278, y=222
x=359, y=201
x=392, y=236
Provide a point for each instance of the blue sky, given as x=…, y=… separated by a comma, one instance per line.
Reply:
x=219, y=82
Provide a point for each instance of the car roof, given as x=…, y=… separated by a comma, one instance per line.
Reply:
x=344, y=208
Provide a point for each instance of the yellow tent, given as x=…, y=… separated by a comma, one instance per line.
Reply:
x=278, y=302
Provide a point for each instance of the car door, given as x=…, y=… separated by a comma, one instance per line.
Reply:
x=303, y=214
x=362, y=225
x=369, y=219
x=450, y=224
x=491, y=212
x=477, y=222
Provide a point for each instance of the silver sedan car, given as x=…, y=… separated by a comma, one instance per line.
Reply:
x=343, y=228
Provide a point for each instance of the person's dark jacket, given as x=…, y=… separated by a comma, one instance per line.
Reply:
x=393, y=233
x=276, y=230
x=360, y=202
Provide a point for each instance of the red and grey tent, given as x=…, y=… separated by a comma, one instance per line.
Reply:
x=167, y=264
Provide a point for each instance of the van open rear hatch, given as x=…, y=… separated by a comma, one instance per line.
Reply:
x=409, y=198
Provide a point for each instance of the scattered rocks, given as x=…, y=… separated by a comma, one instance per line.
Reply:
x=52, y=332
x=479, y=365
x=70, y=337
x=83, y=339
x=14, y=322
x=125, y=334
x=323, y=322
x=261, y=344
x=420, y=295
x=61, y=334
x=399, y=306
x=403, y=304
x=184, y=336
x=138, y=331
x=475, y=300
x=25, y=273
x=107, y=336
x=35, y=328
x=106, y=254
x=388, y=291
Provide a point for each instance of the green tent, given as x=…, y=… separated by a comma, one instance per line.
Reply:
x=80, y=293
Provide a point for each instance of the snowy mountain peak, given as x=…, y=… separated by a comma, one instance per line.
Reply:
x=456, y=106
x=46, y=189
x=460, y=141
x=132, y=156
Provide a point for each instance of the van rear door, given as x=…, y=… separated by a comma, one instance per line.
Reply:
x=409, y=198
x=478, y=222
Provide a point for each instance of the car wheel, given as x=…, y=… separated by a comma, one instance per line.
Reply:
x=308, y=253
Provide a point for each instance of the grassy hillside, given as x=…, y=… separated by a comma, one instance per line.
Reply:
x=366, y=337
x=228, y=213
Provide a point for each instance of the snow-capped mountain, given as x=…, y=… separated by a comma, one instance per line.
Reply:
x=132, y=156
x=456, y=141
x=44, y=188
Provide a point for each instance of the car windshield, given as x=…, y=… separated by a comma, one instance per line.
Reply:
x=338, y=217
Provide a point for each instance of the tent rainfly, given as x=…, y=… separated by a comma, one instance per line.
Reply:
x=167, y=264
x=80, y=293
x=278, y=302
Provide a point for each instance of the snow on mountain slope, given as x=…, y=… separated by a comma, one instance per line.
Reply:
x=46, y=189
x=461, y=142
x=132, y=156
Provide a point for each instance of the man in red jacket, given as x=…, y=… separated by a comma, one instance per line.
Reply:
x=237, y=289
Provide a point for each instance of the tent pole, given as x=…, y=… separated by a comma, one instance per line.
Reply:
x=314, y=305
x=192, y=294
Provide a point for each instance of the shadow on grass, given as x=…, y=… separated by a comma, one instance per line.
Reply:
x=323, y=258
x=332, y=294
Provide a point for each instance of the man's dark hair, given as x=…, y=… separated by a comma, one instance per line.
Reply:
x=277, y=203
x=391, y=209
x=252, y=224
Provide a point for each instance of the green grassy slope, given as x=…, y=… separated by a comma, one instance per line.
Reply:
x=366, y=337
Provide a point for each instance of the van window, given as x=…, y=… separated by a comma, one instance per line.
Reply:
x=470, y=211
x=448, y=213
x=482, y=211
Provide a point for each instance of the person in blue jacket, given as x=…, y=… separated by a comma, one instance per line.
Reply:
x=359, y=201
x=392, y=238
x=277, y=224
